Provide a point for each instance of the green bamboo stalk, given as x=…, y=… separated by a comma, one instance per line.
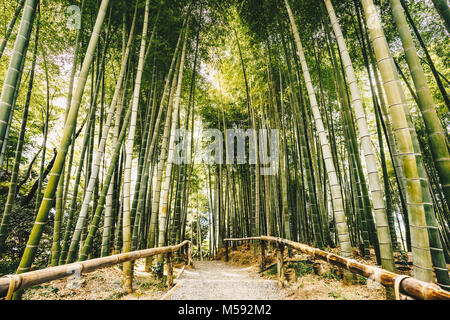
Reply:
x=143, y=161
x=436, y=75
x=69, y=102
x=111, y=202
x=45, y=133
x=168, y=91
x=388, y=130
x=127, y=268
x=354, y=158
x=73, y=204
x=142, y=158
x=10, y=27
x=163, y=216
x=444, y=11
x=41, y=219
x=435, y=134
x=12, y=192
x=99, y=154
x=389, y=206
x=416, y=211
x=382, y=225
x=341, y=225
x=93, y=227
x=15, y=67
x=61, y=191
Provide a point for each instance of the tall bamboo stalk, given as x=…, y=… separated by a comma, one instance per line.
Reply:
x=416, y=212
x=382, y=224
x=163, y=216
x=15, y=67
x=341, y=225
x=127, y=268
x=168, y=91
x=13, y=190
x=444, y=11
x=435, y=134
x=10, y=27
x=99, y=154
x=41, y=219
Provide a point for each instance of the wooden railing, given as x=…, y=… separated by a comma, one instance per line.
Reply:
x=401, y=283
x=16, y=282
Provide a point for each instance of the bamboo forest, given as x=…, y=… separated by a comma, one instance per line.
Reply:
x=224, y=149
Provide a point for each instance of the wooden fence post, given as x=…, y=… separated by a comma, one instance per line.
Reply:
x=169, y=269
x=189, y=254
x=280, y=263
x=263, y=254
x=226, y=251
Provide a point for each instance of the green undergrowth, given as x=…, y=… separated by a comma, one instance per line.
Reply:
x=149, y=282
x=301, y=268
x=98, y=286
x=8, y=267
x=45, y=291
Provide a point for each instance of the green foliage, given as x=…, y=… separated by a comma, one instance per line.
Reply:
x=22, y=219
x=272, y=271
x=404, y=258
x=117, y=295
x=362, y=280
x=301, y=268
x=336, y=294
x=7, y=267
x=330, y=275
x=258, y=26
x=48, y=291
x=157, y=269
x=147, y=283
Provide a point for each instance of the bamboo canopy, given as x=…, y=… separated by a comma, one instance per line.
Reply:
x=32, y=278
x=407, y=285
x=317, y=122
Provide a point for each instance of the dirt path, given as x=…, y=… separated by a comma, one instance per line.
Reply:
x=217, y=280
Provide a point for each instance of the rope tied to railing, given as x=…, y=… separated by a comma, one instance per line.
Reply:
x=12, y=284
x=78, y=267
x=397, y=282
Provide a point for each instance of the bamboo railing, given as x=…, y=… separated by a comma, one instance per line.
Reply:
x=401, y=283
x=16, y=282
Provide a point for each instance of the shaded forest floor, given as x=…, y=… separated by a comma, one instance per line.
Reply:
x=306, y=279
x=103, y=284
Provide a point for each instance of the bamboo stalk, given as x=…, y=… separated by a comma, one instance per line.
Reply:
x=15, y=67
x=10, y=28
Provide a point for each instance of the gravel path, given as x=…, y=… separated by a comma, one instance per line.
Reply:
x=217, y=280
